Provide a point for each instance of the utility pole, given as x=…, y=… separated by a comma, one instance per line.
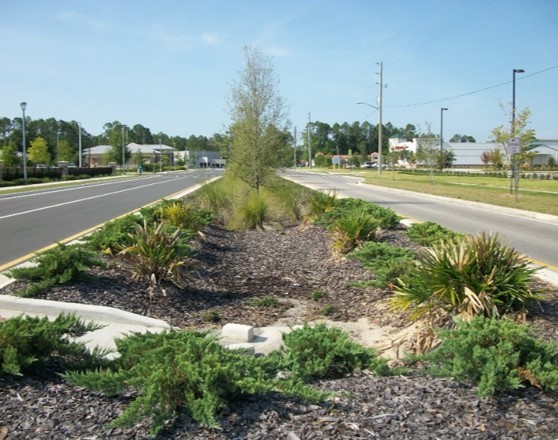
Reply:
x=79, y=144
x=380, y=117
x=309, y=144
x=294, y=148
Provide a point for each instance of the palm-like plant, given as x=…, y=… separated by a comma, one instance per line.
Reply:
x=157, y=253
x=477, y=275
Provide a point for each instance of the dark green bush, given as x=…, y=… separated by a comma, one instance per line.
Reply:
x=185, y=371
x=496, y=355
x=59, y=265
x=387, y=218
x=28, y=343
x=115, y=235
x=386, y=262
x=428, y=233
x=321, y=352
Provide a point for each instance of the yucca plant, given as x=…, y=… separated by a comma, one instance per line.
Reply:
x=353, y=229
x=319, y=203
x=477, y=275
x=157, y=253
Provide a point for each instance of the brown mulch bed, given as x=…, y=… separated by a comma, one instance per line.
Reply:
x=298, y=267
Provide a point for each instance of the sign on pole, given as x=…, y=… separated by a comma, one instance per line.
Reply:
x=513, y=146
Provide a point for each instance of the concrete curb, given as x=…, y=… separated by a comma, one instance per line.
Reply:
x=32, y=306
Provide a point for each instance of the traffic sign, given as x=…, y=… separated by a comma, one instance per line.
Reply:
x=513, y=146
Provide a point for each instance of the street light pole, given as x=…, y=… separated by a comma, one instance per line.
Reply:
x=309, y=144
x=79, y=144
x=380, y=122
x=512, y=135
x=442, y=138
x=123, y=155
x=23, y=106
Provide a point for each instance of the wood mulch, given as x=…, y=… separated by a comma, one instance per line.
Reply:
x=231, y=271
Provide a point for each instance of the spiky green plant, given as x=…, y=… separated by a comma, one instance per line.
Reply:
x=320, y=203
x=157, y=253
x=353, y=229
x=477, y=275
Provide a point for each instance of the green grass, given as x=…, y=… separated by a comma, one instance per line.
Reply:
x=534, y=194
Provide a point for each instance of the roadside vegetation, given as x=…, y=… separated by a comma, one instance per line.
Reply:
x=537, y=193
x=472, y=287
x=464, y=293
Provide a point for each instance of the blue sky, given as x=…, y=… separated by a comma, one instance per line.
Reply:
x=169, y=65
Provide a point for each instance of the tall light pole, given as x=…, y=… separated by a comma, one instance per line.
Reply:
x=512, y=135
x=79, y=144
x=442, y=138
x=23, y=106
x=309, y=144
x=123, y=155
x=380, y=113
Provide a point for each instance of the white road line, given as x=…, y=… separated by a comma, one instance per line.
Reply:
x=78, y=200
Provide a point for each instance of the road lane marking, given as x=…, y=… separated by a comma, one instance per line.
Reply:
x=27, y=257
x=78, y=200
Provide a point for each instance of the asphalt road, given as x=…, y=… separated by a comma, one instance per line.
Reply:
x=536, y=236
x=37, y=218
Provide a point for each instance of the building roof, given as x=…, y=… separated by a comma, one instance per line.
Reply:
x=133, y=147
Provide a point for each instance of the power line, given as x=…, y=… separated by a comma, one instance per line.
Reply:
x=470, y=93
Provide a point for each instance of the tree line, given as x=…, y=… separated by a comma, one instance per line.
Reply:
x=52, y=140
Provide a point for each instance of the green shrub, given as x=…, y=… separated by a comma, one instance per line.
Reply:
x=211, y=316
x=496, y=355
x=156, y=253
x=316, y=295
x=353, y=229
x=477, y=275
x=115, y=235
x=253, y=212
x=59, y=265
x=27, y=343
x=320, y=203
x=266, y=301
x=428, y=233
x=183, y=216
x=321, y=352
x=386, y=262
x=185, y=371
x=387, y=218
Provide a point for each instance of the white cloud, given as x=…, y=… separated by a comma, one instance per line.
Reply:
x=81, y=20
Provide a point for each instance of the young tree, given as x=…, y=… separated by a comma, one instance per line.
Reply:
x=258, y=116
x=66, y=152
x=9, y=155
x=502, y=134
x=38, y=151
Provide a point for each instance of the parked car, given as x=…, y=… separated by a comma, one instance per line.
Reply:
x=369, y=165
